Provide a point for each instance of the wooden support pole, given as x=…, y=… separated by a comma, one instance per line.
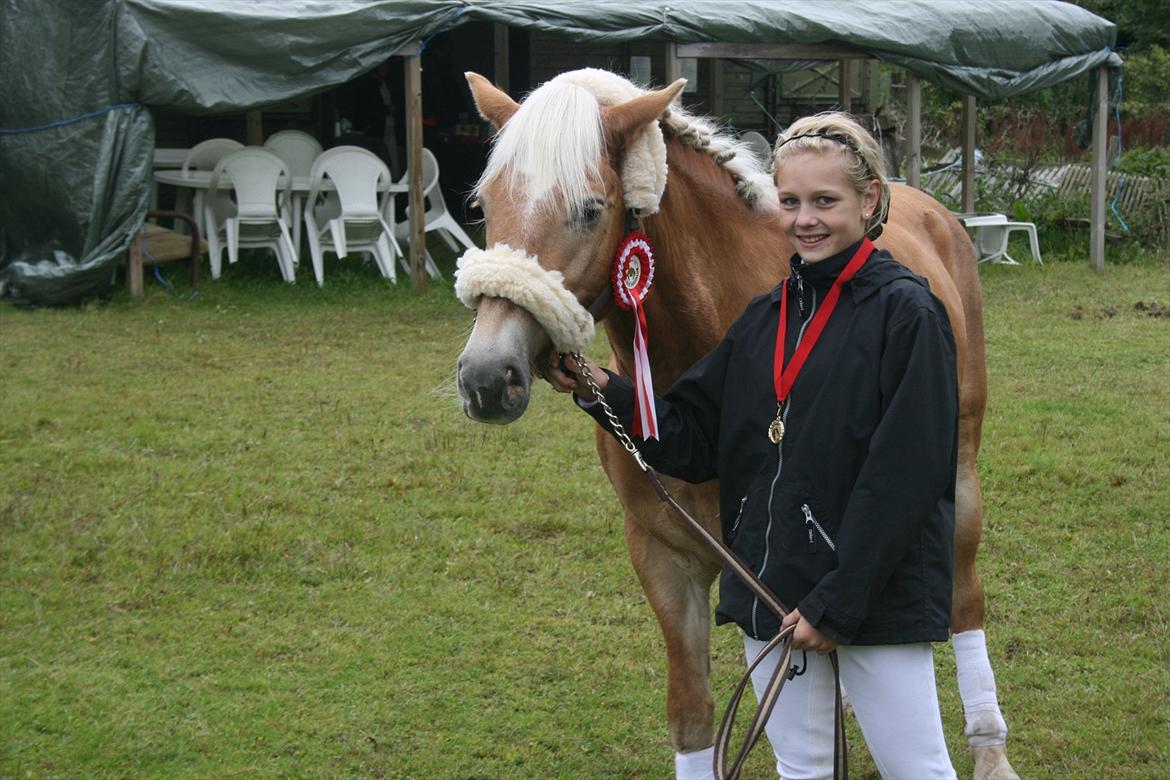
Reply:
x=502, y=71
x=1097, y=196
x=968, y=204
x=914, y=132
x=844, y=85
x=673, y=66
x=255, y=131
x=412, y=67
x=716, y=87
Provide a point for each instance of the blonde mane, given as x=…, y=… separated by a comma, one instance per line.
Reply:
x=550, y=148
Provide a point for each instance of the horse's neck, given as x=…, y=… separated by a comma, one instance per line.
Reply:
x=712, y=254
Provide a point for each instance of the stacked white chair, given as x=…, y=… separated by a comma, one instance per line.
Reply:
x=299, y=150
x=257, y=217
x=351, y=214
x=202, y=157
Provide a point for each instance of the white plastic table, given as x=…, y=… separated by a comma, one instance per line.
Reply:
x=193, y=182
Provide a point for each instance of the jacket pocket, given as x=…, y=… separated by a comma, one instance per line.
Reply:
x=814, y=531
x=811, y=548
x=729, y=537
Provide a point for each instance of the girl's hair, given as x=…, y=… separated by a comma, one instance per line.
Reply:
x=834, y=130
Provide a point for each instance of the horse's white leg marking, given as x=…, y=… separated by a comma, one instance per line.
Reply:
x=986, y=729
x=696, y=765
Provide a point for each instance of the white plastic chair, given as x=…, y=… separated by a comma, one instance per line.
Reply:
x=203, y=156
x=759, y=145
x=298, y=149
x=437, y=217
x=258, y=217
x=352, y=213
x=991, y=237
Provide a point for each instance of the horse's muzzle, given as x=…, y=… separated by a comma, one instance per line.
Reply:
x=493, y=391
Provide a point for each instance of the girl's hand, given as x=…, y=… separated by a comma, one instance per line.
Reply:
x=805, y=637
x=562, y=372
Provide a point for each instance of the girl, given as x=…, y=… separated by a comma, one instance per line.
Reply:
x=829, y=414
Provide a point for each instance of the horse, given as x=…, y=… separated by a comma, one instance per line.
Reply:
x=569, y=169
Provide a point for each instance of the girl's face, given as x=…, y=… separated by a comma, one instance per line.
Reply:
x=819, y=208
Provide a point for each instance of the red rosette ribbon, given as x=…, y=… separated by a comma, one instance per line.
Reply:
x=633, y=274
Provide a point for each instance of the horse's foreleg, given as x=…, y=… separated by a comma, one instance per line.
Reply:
x=986, y=729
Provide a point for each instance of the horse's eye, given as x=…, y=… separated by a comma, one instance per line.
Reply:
x=586, y=214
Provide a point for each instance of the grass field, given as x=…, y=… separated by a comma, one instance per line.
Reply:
x=252, y=535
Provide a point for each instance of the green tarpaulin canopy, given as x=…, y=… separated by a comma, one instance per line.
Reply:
x=76, y=134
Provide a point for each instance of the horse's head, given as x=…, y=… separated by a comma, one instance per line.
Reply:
x=555, y=210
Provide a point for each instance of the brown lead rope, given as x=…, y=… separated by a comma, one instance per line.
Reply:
x=783, y=639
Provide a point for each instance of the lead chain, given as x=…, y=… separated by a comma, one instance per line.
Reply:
x=618, y=429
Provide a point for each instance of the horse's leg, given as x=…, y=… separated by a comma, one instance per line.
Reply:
x=676, y=575
x=986, y=729
x=678, y=588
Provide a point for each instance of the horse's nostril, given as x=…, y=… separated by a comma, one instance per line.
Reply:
x=513, y=376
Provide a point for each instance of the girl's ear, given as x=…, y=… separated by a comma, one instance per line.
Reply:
x=871, y=198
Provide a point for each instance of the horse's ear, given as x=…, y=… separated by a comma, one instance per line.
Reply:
x=493, y=104
x=623, y=120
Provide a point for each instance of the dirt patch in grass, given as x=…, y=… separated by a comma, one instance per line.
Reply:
x=1149, y=309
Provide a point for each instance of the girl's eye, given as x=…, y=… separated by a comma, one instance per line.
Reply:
x=826, y=200
x=789, y=202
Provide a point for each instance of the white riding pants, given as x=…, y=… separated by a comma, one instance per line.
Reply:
x=893, y=694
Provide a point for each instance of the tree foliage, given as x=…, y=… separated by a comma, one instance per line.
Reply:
x=1140, y=23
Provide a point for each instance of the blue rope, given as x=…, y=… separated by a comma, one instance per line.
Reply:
x=70, y=121
x=1120, y=176
x=158, y=274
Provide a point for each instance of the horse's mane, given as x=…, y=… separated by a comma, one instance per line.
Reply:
x=753, y=180
x=550, y=148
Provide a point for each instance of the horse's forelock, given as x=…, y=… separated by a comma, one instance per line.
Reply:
x=550, y=149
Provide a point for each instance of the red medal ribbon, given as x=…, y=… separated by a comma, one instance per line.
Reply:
x=784, y=376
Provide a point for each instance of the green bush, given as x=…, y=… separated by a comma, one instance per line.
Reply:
x=1153, y=162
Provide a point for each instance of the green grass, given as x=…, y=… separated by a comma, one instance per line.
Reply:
x=252, y=535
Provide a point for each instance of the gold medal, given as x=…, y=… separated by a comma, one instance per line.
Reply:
x=776, y=429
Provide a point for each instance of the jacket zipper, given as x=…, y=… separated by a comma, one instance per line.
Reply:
x=775, y=479
x=812, y=527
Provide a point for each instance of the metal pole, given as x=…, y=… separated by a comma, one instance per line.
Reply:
x=1097, y=198
x=914, y=132
x=968, y=204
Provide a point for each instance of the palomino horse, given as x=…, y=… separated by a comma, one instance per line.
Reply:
x=556, y=191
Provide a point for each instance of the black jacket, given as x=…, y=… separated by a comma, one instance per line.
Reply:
x=851, y=517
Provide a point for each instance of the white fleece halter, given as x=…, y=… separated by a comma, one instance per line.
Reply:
x=504, y=272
